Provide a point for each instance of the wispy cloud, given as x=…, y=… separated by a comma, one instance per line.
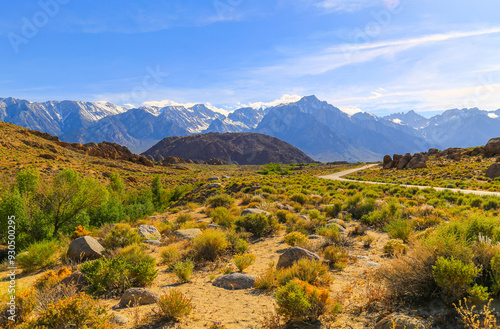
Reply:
x=348, y=6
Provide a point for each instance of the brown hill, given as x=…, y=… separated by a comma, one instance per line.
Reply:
x=241, y=148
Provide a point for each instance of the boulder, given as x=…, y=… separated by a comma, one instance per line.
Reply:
x=294, y=254
x=493, y=170
x=214, y=185
x=172, y=160
x=250, y=211
x=76, y=279
x=48, y=156
x=492, y=147
x=235, y=281
x=119, y=319
x=152, y=242
x=417, y=161
x=387, y=162
x=404, y=161
x=149, y=232
x=396, y=158
x=85, y=248
x=139, y=296
x=211, y=179
x=432, y=151
x=399, y=321
x=213, y=226
x=188, y=234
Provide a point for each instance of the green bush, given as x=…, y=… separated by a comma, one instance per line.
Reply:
x=299, y=198
x=296, y=239
x=495, y=273
x=174, y=305
x=221, y=200
x=183, y=218
x=333, y=209
x=241, y=245
x=282, y=215
x=242, y=261
x=221, y=216
x=183, y=269
x=121, y=235
x=115, y=275
x=169, y=255
x=310, y=271
x=258, y=224
x=453, y=276
x=335, y=257
x=332, y=233
x=394, y=247
x=399, y=229
x=358, y=207
x=78, y=311
x=39, y=255
x=302, y=302
x=210, y=244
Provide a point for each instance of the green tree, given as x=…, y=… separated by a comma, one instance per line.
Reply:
x=157, y=189
x=68, y=198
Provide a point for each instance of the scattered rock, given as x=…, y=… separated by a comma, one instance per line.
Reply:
x=85, y=248
x=432, y=151
x=250, y=211
x=48, y=156
x=211, y=179
x=417, y=161
x=215, y=162
x=493, y=170
x=492, y=147
x=286, y=207
x=189, y=233
x=76, y=279
x=152, y=242
x=294, y=254
x=119, y=319
x=225, y=177
x=303, y=217
x=213, y=226
x=235, y=281
x=399, y=321
x=139, y=296
x=214, y=185
x=172, y=160
x=372, y=264
x=149, y=232
x=314, y=237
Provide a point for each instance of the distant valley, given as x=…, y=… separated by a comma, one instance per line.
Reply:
x=321, y=130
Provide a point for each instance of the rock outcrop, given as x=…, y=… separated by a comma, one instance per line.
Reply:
x=493, y=170
x=492, y=148
x=85, y=248
x=418, y=160
x=139, y=296
x=293, y=255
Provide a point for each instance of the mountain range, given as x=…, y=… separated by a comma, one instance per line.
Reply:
x=321, y=130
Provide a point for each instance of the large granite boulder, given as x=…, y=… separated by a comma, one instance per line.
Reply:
x=139, y=296
x=492, y=147
x=250, y=211
x=85, y=248
x=493, y=170
x=235, y=281
x=149, y=232
x=404, y=161
x=188, y=234
x=292, y=255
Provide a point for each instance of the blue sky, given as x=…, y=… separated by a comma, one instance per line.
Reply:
x=371, y=55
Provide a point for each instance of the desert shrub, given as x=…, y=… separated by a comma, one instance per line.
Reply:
x=79, y=232
x=334, y=209
x=258, y=224
x=51, y=278
x=331, y=232
x=299, y=198
x=39, y=255
x=115, y=275
x=300, y=301
x=495, y=273
x=183, y=269
x=368, y=240
x=269, y=189
x=243, y=261
x=121, y=235
x=169, y=255
x=241, y=245
x=399, y=229
x=221, y=216
x=266, y=280
x=174, y=305
x=79, y=311
x=358, y=229
x=221, y=200
x=210, y=244
x=296, y=239
x=476, y=202
x=395, y=247
x=183, y=218
x=453, y=276
x=282, y=215
x=478, y=294
x=335, y=257
x=25, y=305
x=358, y=207
x=311, y=271
x=409, y=277
x=490, y=205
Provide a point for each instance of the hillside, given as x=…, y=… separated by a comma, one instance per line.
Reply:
x=241, y=148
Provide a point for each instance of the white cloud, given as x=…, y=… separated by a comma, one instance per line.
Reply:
x=492, y=115
x=285, y=99
x=347, y=5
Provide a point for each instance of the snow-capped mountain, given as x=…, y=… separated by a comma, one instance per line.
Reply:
x=55, y=117
x=320, y=129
